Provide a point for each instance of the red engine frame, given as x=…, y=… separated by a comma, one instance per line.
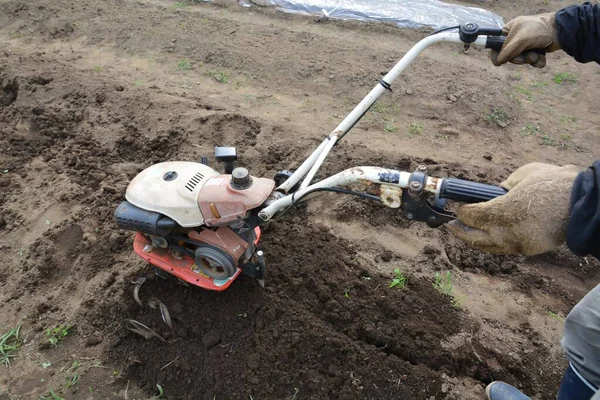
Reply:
x=184, y=268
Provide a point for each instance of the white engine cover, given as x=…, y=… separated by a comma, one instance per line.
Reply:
x=176, y=198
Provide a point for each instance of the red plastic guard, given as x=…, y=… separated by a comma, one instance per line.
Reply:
x=185, y=269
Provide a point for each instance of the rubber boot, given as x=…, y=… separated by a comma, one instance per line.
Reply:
x=498, y=390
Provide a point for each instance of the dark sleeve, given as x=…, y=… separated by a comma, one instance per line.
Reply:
x=578, y=30
x=583, y=232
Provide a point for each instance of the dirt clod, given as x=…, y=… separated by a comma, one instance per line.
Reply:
x=211, y=338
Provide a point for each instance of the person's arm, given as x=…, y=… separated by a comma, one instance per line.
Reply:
x=583, y=231
x=575, y=29
x=578, y=31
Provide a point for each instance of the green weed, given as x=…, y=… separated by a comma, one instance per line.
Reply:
x=161, y=392
x=546, y=140
x=72, y=380
x=557, y=317
x=51, y=396
x=57, y=334
x=399, y=280
x=561, y=77
x=415, y=128
x=219, y=76
x=347, y=293
x=23, y=251
x=390, y=128
x=184, y=65
x=496, y=116
x=9, y=345
x=180, y=4
x=443, y=284
x=381, y=112
x=540, y=84
x=97, y=69
x=524, y=91
x=530, y=129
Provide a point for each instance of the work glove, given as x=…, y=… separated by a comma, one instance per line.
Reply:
x=530, y=219
x=527, y=33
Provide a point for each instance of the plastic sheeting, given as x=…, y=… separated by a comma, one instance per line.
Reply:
x=403, y=13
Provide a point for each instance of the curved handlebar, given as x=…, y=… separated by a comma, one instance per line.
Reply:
x=378, y=178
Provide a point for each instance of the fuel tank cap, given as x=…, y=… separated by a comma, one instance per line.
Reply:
x=240, y=178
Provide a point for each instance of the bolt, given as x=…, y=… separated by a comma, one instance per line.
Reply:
x=470, y=25
x=422, y=168
x=148, y=248
x=409, y=215
x=432, y=218
x=415, y=185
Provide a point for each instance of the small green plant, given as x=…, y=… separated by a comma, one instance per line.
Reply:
x=23, y=251
x=443, y=284
x=540, y=84
x=546, y=140
x=530, y=129
x=415, y=128
x=180, y=4
x=51, y=396
x=9, y=345
x=219, y=76
x=57, y=334
x=557, y=317
x=497, y=116
x=524, y=91
x=399, y=280
x=390, y=128
x=161, y=392
x=72, y=380
x=97, y=69
x=347, y=293
x=184, y=65
x=138, y=82
x=561, y=77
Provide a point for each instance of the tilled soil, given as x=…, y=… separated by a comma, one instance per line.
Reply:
x=90, y=95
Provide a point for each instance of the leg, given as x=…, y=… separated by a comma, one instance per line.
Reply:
x=581, y=340
x=573, y=387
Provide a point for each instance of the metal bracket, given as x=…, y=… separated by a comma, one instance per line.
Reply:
x=415, y=205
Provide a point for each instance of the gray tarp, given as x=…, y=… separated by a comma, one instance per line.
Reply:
x=403, y=13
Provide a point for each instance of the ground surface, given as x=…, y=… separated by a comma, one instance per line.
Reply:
x=93, y=92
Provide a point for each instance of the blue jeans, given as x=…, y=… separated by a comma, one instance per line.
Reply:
x=574, y=386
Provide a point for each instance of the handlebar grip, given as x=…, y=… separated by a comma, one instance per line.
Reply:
x=496, y=42
x=469, y=192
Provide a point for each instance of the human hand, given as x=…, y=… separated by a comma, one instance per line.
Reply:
x=530, y=219
x=524, y=34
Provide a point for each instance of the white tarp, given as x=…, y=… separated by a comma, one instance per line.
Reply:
x=403, y=13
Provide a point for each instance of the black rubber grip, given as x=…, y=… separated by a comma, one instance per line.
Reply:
x=496, y=42
x=469, y=192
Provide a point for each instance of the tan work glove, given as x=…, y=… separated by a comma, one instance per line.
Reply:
x=530, y=219
x=528, y=33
